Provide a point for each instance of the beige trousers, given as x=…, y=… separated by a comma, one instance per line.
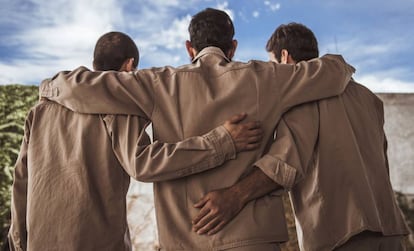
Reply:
x=370, y=241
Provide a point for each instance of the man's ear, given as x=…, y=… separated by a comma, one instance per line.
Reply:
x=190, y=50
x=284, y=55
x=128, y=65
x=94, y=65
x=232, y=51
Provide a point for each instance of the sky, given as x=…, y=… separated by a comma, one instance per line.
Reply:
x=39, y=38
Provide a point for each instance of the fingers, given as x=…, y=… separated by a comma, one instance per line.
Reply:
x=251, y=134
x=249, y=147
x=237, y=118
x=252, y=125
x=202, y=221
x=203, y=212
x=201, y=202
x=217, y=228
x=206, y=224
x=252, y=141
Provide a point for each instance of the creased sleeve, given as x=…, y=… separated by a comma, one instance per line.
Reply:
x=107, y=92
x=17, y=236
x=291, y=153
x=164, y=161
x=312, y=80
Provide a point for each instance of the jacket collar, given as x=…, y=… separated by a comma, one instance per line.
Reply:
x=210, y=50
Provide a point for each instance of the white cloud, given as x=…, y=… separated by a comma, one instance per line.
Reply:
x=256, y=14
x=173, y=37
x=224, y=6
x=368, y=55
x=272, y=6
x=55, y=36
x=388, y=84
x=360, y=47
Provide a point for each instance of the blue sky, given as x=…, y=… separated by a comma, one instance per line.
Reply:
x=38, y=38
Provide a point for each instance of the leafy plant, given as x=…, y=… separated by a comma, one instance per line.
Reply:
x=15, y=102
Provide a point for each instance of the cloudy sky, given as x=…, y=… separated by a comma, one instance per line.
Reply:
x=39, y=38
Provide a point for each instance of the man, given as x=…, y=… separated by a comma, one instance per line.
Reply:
x=72, y=174
x=332, y=156
x=192, y=99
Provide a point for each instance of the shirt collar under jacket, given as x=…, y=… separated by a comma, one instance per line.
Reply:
x=210, y=50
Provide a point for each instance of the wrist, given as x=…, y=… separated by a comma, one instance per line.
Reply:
x=242, y=195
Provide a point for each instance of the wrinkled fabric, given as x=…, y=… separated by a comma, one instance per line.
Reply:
x=332, y=156
x=72, y=176
x=192, y=99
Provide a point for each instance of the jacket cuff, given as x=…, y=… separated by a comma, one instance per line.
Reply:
x=223, y=143
x=278, y=170
x=14, y=241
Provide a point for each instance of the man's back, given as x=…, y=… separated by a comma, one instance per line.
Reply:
x=76, y=186
x=203, y=94
x=344, y=187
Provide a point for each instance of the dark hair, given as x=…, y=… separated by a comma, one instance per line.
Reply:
x=211, y=27
x=111, y=51
x=297, y=39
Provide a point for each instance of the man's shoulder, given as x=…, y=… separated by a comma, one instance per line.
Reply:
x=359, y=90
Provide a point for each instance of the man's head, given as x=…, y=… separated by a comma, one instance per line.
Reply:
x=115, y=51
x=211, y=27
x=291, y=43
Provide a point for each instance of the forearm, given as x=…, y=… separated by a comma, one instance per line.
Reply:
x=165, y=161
x=161, y=161
x=255, y=185
x=110, y=92
x=313, y=80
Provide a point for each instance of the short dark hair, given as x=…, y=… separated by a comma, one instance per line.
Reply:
x=211, y=27
x=297, y=39
x=111, y=51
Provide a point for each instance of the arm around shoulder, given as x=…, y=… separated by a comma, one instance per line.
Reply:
x=98, y=92
x=313, y=80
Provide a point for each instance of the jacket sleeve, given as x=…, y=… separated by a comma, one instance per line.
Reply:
x=102, y=92
x=164, y=161
x=311, y=80
x=17, y=236
x=291, y=153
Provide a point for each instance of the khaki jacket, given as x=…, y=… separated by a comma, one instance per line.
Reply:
x=192, y=99
x=73, y=172
x=332, y=156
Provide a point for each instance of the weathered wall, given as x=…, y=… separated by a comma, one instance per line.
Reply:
x=399, y=128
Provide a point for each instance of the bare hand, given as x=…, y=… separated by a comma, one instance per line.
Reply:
x=217, y=208
x=246, y=136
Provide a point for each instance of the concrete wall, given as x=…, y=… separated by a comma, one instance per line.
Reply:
x=399, y=128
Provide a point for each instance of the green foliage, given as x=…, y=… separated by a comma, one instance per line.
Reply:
x=15, y=102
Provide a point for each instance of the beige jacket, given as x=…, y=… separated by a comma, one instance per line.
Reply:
x=192, y=99
x=332, y=156
x=72, y=176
